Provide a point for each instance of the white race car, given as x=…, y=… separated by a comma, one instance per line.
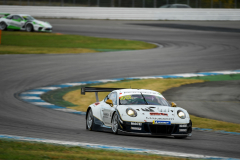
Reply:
x=23, y=22
x=137, y=111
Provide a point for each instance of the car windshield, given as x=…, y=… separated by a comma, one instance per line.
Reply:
x=28, y=18
x=142, y=99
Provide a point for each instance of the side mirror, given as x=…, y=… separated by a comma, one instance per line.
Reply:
x=173, y=104
x=109, y=101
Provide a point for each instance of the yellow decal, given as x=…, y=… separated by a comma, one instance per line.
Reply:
x=126, y=97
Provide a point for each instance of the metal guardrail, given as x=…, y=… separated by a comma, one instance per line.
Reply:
x=124, y=13
x=126, y=3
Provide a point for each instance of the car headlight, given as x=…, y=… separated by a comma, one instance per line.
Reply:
x=131, y=112
x=181, y=114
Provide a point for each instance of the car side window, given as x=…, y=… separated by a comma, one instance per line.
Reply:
x=9, y=17
x=17, y=18
x=113, y=97
x=106, y=98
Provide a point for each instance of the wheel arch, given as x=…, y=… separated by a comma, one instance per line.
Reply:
x=116, y=111
x=5, y=24
x=88, y=111
x=27, y=23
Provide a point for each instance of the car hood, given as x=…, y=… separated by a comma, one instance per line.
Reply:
x=149, y=113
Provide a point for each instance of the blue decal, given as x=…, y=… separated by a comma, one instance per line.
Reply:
x=162, y=122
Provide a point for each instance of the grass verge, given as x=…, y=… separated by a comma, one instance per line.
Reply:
x=17, y=42
x=217, y=77
x=10, y=150
x=81, y=102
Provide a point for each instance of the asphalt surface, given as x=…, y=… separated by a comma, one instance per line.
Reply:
x=186, y=47
x=215, y=100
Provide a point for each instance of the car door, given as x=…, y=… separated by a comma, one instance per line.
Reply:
x=107, y=110
x=17, y=22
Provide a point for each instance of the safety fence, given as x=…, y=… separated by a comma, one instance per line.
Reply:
x=124, y=13
x=126, y=3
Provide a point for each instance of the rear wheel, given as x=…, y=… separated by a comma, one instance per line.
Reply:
x=3, y=26
x=89, y=121
x=29, y=27
x=115, y=123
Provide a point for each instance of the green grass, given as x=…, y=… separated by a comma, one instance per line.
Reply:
x=10, y=150
x=217, y=77
x=17, y=42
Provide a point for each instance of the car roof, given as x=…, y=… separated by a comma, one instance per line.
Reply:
x=179, y=4
x=20, y=15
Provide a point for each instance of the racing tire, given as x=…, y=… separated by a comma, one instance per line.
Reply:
x=29, y=27
x=89, y=121
x=3, y=26
x=115, y=123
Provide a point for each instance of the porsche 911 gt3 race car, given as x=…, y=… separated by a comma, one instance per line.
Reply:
x=23, y=22
x=137, y=111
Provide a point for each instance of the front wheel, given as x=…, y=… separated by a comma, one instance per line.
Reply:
x=3, y=26
x=115, y=123
x=29, y=27
x=89, y=121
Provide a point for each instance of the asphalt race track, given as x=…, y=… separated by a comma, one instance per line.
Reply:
x=214, y=100
x=185, y=47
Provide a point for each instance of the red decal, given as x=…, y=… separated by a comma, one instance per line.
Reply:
x=158, y=114
x=97, y=103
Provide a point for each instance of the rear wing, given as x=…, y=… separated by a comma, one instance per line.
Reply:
x=4, y=14
x=96, y=90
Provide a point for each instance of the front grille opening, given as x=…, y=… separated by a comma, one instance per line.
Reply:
x=146, y=128
x=40, y=28
x=161, y=129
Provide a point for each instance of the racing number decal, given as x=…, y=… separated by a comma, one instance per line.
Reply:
x=126, y=97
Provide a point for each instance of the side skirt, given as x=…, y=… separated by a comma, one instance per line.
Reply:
x=99, y=126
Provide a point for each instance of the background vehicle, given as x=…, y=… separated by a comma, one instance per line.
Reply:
x=175, y=6
x=23, y=22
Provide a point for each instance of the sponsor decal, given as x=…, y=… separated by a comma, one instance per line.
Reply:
x=182, y=125
x=182, y=130
x=162, y=122
x=148, y=109
x=97, y=103
x=136, y=124
x=105, y=115
x=136, y=128
x=158, y=114
x=161, y=110
x=126, y=97
x=157, y=118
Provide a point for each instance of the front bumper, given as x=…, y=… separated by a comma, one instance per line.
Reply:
x=40, y=28
x=44, y=29
x=148, y=128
